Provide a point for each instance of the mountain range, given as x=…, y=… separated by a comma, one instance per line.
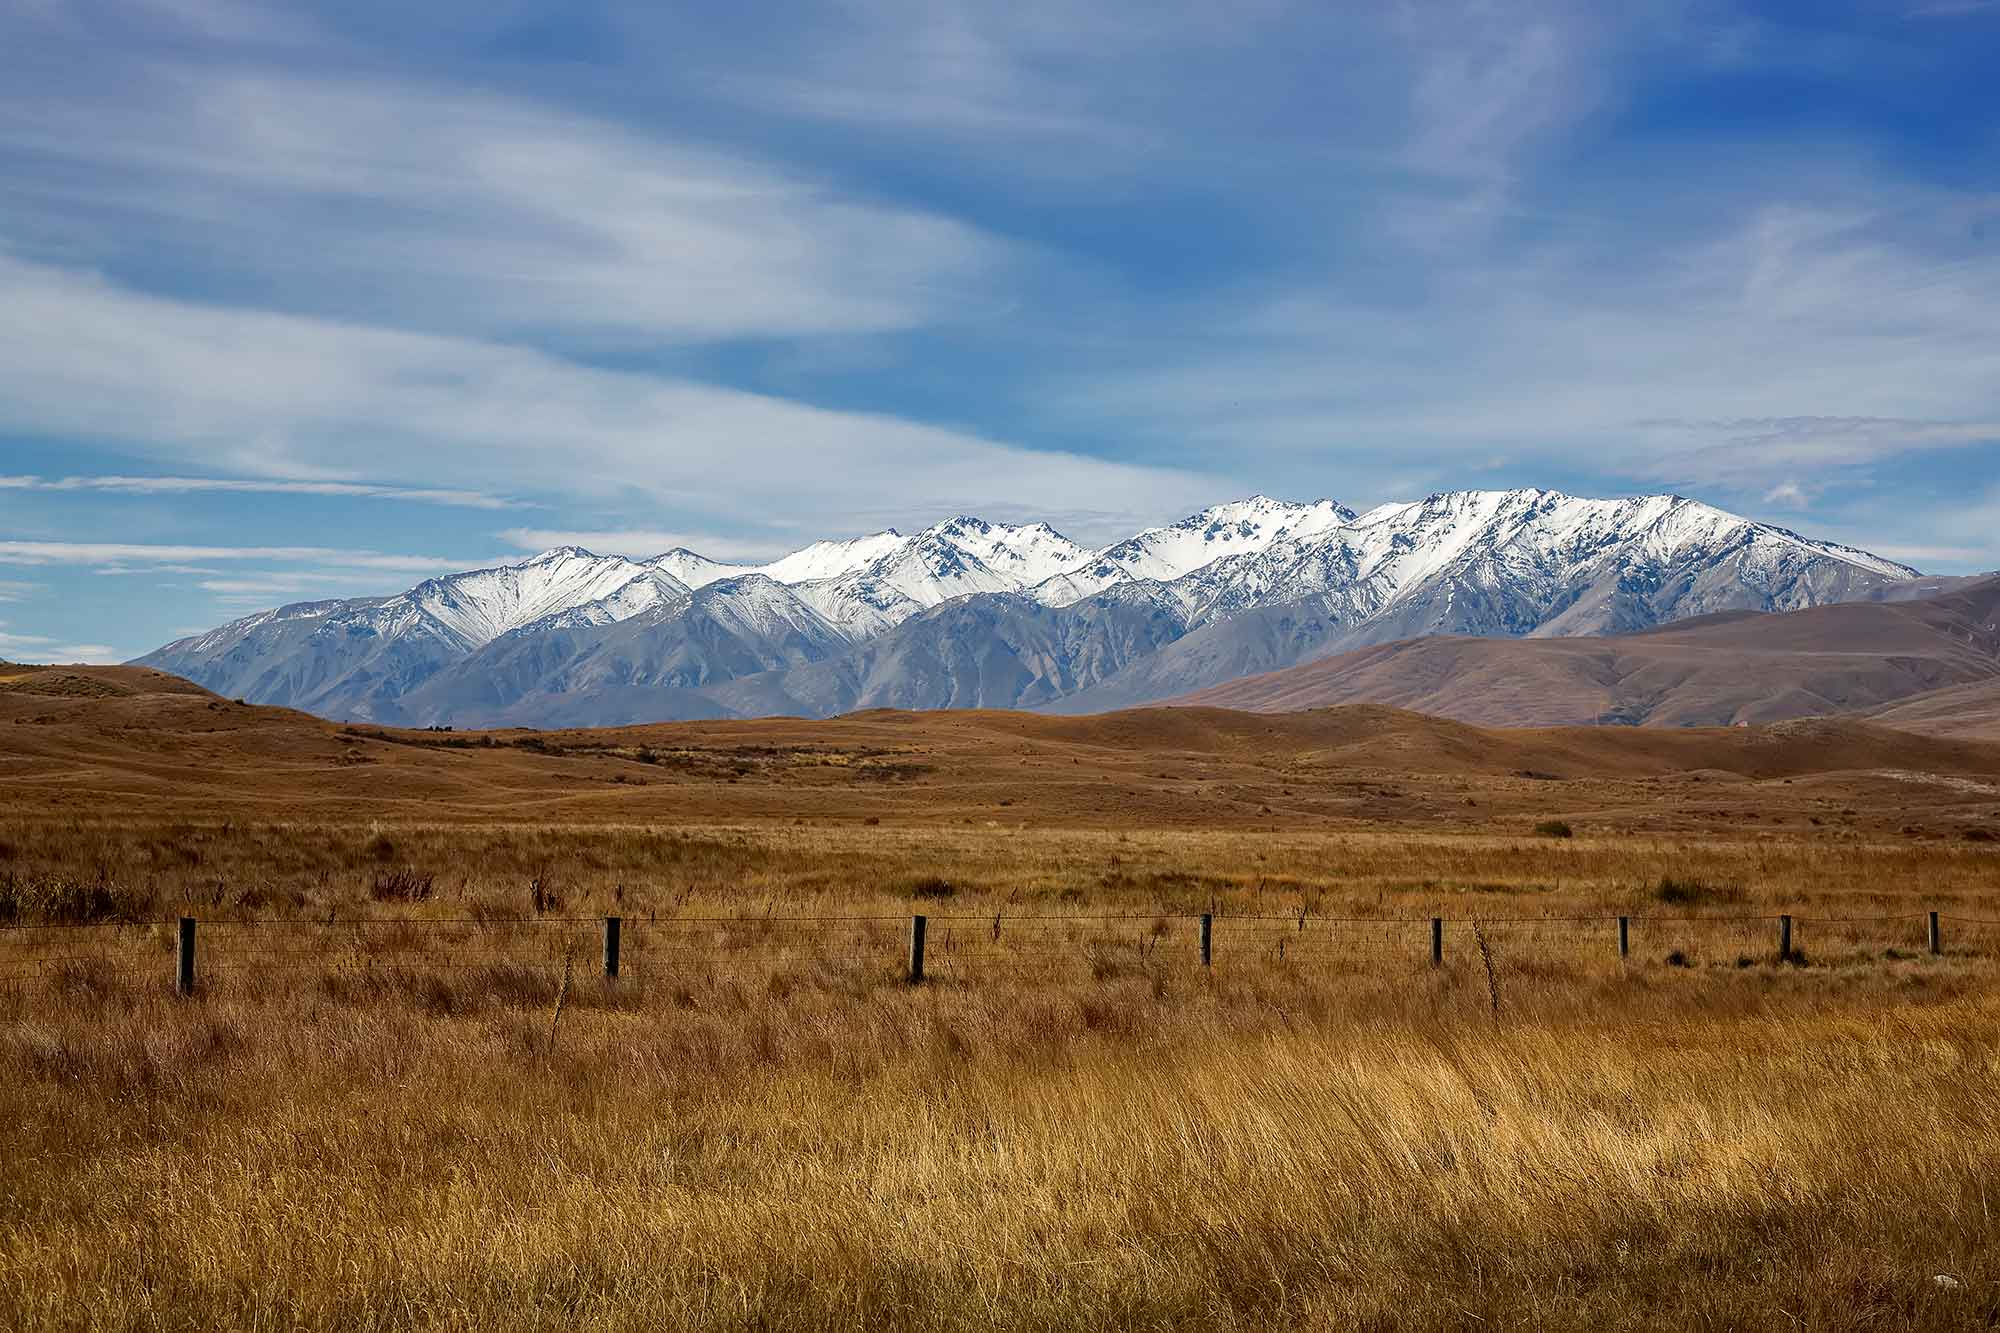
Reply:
x=972, y=613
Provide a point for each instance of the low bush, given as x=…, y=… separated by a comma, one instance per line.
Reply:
x=1694, y=892
x=64, y=900
x=1555, y=828
x=402, y=886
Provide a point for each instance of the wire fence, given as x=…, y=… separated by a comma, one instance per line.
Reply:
x=191, y=956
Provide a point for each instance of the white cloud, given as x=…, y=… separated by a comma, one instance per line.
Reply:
x=646, y=542
x=14, y=590
x=483, y=213
x=256, y=591
x=1490, y=81
x=1932, y=554
x=1794, y=343
x=1747, y=451
x=276, y=394
x=270, y=486
x=89, y=654
x=1787, y=495
x=128, y=557
x=44, y=649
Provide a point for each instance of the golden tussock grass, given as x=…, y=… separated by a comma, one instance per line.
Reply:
x=403, y=1097
x=372, y=1133
x=1263, y=1149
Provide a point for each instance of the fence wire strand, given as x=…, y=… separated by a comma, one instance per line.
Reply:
x=958, y=944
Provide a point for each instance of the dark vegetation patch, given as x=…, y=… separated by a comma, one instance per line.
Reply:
x=71, y=900
x=64, y=685
x=1692, y=892
x=402, y=885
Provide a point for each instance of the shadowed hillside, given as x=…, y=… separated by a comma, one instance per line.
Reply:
x=1713, y=671
x=1969, y=712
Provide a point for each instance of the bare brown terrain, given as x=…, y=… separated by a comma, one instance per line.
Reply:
x=1851, y=658
x=127, y=743
x=1968, y=711
x=403, y=1096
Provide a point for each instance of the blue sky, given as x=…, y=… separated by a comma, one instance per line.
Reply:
x=302, y=301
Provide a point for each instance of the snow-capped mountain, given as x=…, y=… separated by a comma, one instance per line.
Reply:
x=1242, y=527
x=821, y=560
x=973, y=611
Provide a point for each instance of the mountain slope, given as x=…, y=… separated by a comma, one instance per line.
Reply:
x=1711, y=671
x=1964, y=712
x=733, y=627
x=975, y=652
x=1242, y=527
x=1491, y=564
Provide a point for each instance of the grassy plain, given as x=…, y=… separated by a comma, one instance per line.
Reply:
x=364, y=1124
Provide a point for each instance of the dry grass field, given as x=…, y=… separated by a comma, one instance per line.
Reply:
x=405, y=1097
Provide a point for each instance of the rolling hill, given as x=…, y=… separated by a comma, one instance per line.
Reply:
x=85, y=745
x=1859, y=657
x=1968, y=711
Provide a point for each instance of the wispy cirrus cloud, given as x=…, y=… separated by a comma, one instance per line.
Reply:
x=271, y=486
x=1875, y=318
x=1748, y=450
x=165, y=555
x=276, y=394
x=643, y=542
x=486, y=214
x=45, y=648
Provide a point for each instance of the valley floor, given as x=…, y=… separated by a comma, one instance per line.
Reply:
x=404, y=1095
x=393, y=1125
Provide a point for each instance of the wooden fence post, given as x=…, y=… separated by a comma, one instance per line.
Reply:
x=1437, y=941
x=184, y=971
x=613, y=930
x=1624, y=937
x=1785, y=937
x=917, y=924
x=1207, y=939
x=1935, y=940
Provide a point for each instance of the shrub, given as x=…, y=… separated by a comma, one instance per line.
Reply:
x=62, y=900
x=401, y=886
x=1694, y=892
x=1555, y=828
x=933, y=887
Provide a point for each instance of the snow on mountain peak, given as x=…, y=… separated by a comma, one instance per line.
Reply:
x=1513, y=562
x=554, y=554
x=1239, y=527
x=1242, y=552
x=831, y=559
x=480, y=605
